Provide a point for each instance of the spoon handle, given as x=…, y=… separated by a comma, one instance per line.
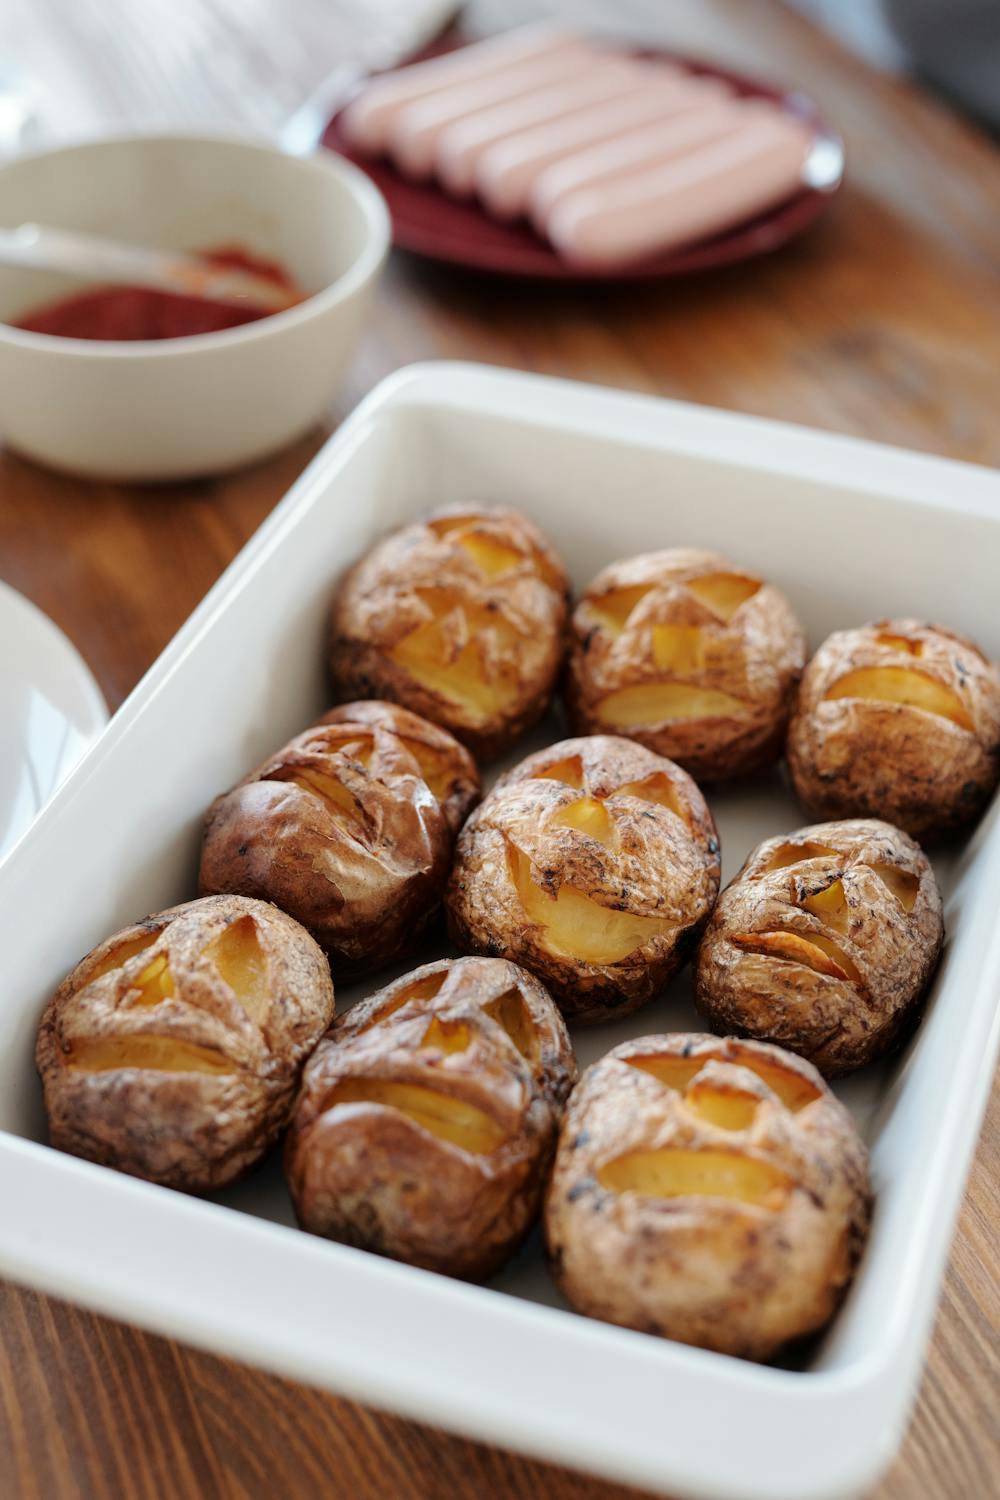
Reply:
x=41, y=247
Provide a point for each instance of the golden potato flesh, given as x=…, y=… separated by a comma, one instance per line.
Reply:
x=428, y=1117
x=349, y=828
x=824, y=943
x=594, y=864
x=443, y=1115
x=897, y=720
x=690, y=656
x=679, y=1172
x=174, y=1049
x=461, y=617
x=711, y=1191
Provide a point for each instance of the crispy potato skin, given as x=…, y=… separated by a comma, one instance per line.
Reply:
x=856, y=757
x=515, y=618
x=740, y=1277
x=193, y=1130
x=364, y=875
x=665, y=866
x=369, y=1174
x=837, y=1022
x=755, y=656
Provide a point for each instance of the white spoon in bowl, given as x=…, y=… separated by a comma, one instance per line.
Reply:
x=101, y=260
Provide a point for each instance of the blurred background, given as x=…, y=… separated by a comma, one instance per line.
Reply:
x=74, y=65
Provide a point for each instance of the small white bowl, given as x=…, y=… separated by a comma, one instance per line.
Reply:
x=170, y=408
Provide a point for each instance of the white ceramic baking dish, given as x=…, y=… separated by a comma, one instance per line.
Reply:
x=851, y=531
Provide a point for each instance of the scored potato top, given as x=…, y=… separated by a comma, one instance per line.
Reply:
x=588, y=863
x=899, y=719
x=343, y=827
x=234, y=980
x=452, y=1057
x=823, y=942
x=516, y=1002
x=173, y=1048
x=444, y=764
x=710, y=1190
x=461, y=617
x=696, y=1091
x=689, y=655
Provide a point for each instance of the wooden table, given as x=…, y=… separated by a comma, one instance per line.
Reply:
x=884, y=321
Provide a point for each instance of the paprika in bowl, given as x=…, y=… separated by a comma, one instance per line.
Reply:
x=181, y=402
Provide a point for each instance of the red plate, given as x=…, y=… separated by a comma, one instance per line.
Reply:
x=460, y=232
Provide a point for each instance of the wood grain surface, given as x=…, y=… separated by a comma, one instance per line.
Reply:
x=884, y=321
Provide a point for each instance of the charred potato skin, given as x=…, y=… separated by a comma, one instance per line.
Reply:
x=670, y=869
x=725, y=1275
x=196, y=1131
x=369, y=1176
x=384, y=597
x=755, y=656
x=838, y=1023
x=367, y=887
x=856, y=757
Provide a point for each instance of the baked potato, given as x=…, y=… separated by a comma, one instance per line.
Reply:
x=349, y=828
x=710, y=1191
x=690, y=656
x=897, y=720
x=173, y=1050
x=427, y=1120
x=824, y=943
x=462, y=618
x=595, y=864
